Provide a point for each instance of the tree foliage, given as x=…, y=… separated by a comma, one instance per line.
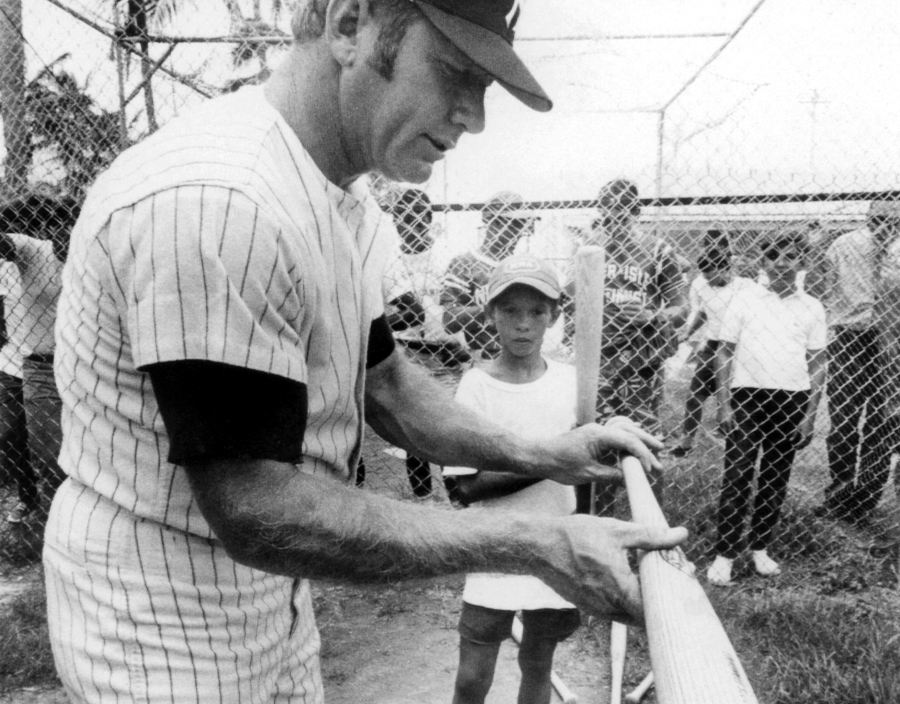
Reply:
x=66, y=123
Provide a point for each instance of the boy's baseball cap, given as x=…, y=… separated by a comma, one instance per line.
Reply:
x=483, y=30
x=524, y=269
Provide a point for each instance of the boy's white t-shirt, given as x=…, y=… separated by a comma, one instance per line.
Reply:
x=539, y=409
x=772, y=336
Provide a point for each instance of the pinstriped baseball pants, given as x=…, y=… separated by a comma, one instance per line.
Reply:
x=139, y=612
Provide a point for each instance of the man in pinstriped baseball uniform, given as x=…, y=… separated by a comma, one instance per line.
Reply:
x=221, y=326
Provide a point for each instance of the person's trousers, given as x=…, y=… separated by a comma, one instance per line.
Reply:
x=43, y=416
x=862, y=435
x=14, y=454
x=765, y=425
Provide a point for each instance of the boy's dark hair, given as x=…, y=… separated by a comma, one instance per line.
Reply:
x=713, y=261
x=784, y=239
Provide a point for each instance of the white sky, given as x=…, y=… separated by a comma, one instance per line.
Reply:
x=749, y=124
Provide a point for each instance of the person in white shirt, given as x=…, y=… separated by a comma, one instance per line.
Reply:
x=526, y=392
x=34, y=236
x=771, y=370
x=709, y=295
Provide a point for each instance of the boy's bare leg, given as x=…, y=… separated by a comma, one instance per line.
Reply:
x=536, y=663
x=477, y=663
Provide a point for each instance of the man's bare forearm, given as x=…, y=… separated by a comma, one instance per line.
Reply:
x=431, y=424
x=409, y=408
x=274, y=517
x=818, y=371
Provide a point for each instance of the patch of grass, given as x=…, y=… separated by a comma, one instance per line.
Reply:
x=803, y=648
x=27, y=660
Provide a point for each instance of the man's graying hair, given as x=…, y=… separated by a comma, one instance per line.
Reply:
x=396, y=16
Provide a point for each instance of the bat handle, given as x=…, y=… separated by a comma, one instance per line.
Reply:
x=635, y=695
x=618, y=643
x=645, y=509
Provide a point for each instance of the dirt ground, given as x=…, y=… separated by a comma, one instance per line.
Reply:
x=399, y=645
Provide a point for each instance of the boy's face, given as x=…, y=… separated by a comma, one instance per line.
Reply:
x=522, y=315
x=781, y=263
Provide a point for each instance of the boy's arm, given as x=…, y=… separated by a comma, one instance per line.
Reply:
x=491, y=485
x=671, y=287
x=816, y=361
x=724, y=364
x=696, y=320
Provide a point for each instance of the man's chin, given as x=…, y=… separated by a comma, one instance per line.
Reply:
x=417, y=172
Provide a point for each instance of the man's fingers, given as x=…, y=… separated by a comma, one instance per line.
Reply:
x=628, y=425
x=658, y=538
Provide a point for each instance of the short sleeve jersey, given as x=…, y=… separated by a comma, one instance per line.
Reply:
x=772, y=336
x=854, y=260
x=647, y=273
x=218, y=239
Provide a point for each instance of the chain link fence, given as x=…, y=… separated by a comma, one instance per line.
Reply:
x=821, y=499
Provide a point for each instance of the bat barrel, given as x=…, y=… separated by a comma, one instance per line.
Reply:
x=692, y=657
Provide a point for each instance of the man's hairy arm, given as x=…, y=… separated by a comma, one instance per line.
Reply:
x=407, y=407
x=274, y=517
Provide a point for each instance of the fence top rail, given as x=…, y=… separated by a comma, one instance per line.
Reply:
x=756, y=199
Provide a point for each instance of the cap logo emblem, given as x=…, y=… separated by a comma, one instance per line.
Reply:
x=513, y=15
x=522, y=266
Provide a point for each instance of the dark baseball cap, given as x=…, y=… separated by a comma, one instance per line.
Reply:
x=483, y=30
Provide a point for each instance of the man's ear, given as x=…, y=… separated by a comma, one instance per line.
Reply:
x=343, y=21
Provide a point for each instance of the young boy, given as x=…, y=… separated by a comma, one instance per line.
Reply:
x=526, y=392
x=710, y=293
x=771, y=369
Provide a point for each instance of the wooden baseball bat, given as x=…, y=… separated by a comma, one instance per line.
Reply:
x=693, y=659
x=564, y=692
x=638, y=693
x=618, y=643
x=590, y=266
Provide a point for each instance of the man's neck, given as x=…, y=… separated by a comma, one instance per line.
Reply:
x=302, y=89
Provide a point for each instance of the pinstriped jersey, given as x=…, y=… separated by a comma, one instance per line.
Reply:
x=219, y=239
